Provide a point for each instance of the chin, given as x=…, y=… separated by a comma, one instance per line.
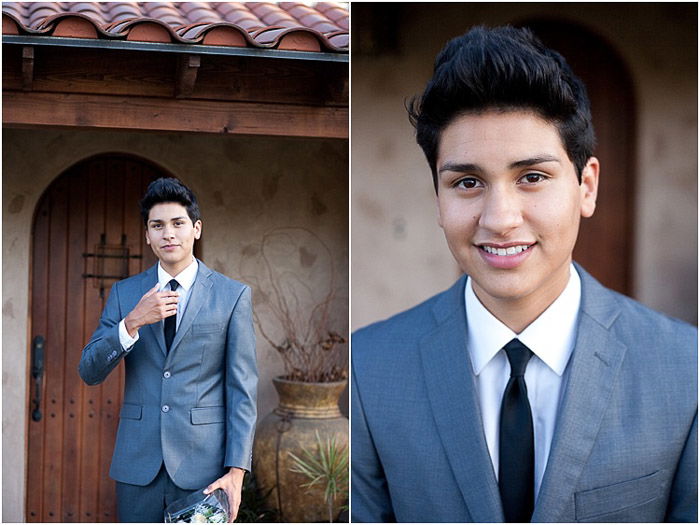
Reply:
x=501, y=285
x=506, y=294
x=168, y=259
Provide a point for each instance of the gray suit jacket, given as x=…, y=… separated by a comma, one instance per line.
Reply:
x=625, y=443
x=193, y=408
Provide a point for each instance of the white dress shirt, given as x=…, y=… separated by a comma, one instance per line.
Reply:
x=185, y=280
x=551, y=338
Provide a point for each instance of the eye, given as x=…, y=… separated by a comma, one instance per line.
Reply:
x=157, y=226
x=469, y=183
x=532, y=178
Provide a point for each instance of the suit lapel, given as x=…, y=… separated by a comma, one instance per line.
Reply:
x=156, y=329
x=453, y=397
x=593, y=369
x=198, y=297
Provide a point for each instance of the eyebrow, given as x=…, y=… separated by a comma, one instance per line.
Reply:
x=534, y=160
x=466, y=166
x=173, y=219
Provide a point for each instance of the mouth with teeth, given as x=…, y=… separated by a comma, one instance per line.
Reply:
x=510, y=250
x=505, y=257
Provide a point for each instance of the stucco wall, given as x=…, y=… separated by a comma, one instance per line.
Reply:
x=399, y=254
x=245, y=185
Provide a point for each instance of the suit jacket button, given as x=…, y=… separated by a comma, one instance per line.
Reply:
x=165, y=408
x=166, y=374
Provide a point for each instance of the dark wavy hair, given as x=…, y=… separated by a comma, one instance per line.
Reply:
x=169, y=189
x=503, y=69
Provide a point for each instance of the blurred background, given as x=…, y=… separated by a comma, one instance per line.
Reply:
x=639, y=64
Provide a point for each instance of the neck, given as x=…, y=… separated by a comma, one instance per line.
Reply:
x=518, y=313
x=173, y=270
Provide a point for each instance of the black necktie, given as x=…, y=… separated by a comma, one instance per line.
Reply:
x=170, y=323
x=516, y=464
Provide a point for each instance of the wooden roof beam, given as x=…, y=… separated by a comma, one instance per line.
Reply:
x=33, y=109
x=27, y=67
x=186, y=76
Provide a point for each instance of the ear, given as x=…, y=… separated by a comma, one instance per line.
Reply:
x=148, y=241
x=589, y=186
x=198, y=229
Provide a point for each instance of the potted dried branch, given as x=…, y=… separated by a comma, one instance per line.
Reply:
x=295, y=288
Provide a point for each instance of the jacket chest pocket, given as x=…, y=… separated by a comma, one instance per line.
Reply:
x=208, y=328
x=596, y=503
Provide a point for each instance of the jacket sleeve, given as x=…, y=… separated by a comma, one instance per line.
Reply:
x=241, y=384
x=104, y=351
x=371, y=502
x=683, y=502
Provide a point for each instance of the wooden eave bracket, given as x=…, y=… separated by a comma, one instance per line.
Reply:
x=187, y=67
x=27, y=67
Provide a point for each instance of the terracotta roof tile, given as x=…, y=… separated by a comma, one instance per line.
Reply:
x=237, y=14
x=225, y=36
x=340, y=40
x=271, y=14
x=337, y=14
x=286, y=25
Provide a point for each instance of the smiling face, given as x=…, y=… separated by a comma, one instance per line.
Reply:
x=510, y=203
x=171, y=235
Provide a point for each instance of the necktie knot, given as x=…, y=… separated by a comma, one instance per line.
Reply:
x=173, y=284
x=518, y=357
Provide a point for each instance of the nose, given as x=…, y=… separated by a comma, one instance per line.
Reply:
x=168, y=231
x=501, y=212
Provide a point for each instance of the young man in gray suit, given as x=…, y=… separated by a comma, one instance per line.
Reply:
x=527, y=391
x=186, y=335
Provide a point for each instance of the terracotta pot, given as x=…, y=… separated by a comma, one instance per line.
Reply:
x=304, y=409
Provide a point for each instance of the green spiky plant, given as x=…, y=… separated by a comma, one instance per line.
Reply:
x=328, y=466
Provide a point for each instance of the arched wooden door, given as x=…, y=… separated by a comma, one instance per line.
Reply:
x=605, y=245
x=87, y=224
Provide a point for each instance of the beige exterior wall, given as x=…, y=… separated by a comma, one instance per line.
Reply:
x=399, y=256
x=245, y=186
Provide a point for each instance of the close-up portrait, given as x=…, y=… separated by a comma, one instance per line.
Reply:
x=524, y=262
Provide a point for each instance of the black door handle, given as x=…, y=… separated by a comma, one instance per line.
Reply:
x=37, y=374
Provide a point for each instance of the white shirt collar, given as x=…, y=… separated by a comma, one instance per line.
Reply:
x=550, y=336
x=185, y=278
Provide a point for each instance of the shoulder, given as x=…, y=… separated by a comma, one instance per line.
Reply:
x=220, y=281
x=672, y=339
x=644, y=319
x=662, y=338
x=404, y=325
x=401, y=333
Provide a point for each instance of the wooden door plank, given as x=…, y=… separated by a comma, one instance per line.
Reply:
x=90, y=452
x=148, y=174
x=39, y=305
x=55, y=345
x=74, y=343
x=159, y=114
x=112, y=387
x=133, y=225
